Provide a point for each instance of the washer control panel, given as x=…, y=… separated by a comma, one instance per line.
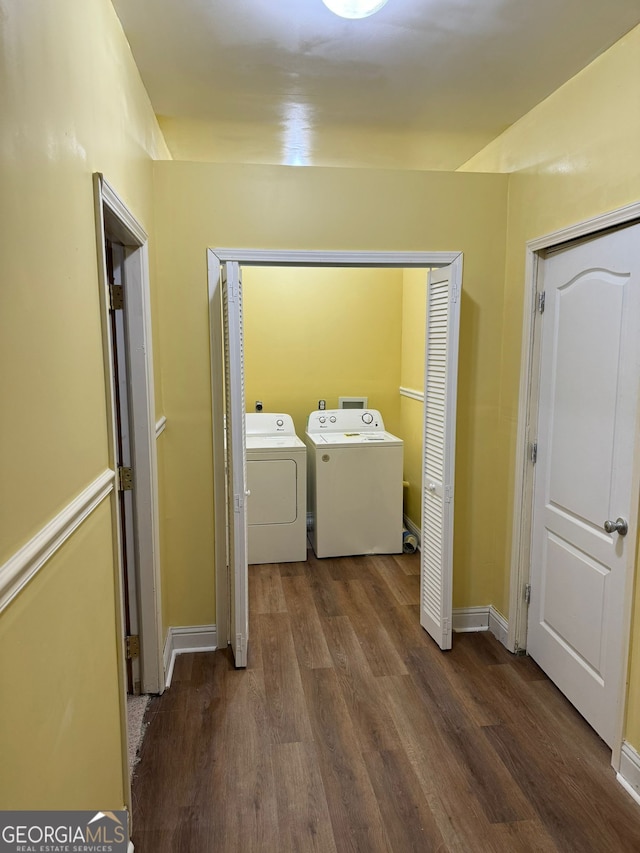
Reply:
x=345, y=420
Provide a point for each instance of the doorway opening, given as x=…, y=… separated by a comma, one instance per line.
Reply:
x=227, y=362
x=128, y=363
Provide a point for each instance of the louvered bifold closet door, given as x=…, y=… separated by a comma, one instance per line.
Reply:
x=441, y=369
x=236, y=464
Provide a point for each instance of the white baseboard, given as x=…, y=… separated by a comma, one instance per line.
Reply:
x=130, y=848
x=487, y=618
x=470, y=619
x=188, y=638
x=629, y=773
x=498, y=625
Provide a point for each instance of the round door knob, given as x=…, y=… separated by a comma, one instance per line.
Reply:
x=619, y=526
x=431, y=487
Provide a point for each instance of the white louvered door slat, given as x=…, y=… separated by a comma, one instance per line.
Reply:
x=236, y=456
x=441, y=374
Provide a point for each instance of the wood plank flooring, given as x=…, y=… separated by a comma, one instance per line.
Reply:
x=350, y=731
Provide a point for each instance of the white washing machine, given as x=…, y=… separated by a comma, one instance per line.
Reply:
x=277, y=482
x=354, y=472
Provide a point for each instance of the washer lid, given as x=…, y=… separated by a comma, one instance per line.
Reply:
x=352, y=439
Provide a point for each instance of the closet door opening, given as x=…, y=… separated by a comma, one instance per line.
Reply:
x=228, y=418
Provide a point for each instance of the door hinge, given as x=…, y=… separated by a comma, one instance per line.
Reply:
x=527, y=593
x=116, y=297
x=132, y=646
x=533, y=452
x=125, y=479
x=448, y=493
x=238, y=503
x=541, y=300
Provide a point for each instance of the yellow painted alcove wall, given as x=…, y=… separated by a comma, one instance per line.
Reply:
x=322, y=332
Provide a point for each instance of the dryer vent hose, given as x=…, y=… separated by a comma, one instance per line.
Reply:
x=409, y=541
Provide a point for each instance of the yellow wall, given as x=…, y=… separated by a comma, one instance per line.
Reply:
x=335, y=146
x=571, y=158
x=201, y=205
x=71, y=103
x=321, y=333
x=60, y=715
x=414, y=312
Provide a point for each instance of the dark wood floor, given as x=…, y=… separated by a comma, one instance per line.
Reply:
x=351, y=731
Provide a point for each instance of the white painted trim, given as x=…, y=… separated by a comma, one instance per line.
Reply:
x=611, y=219
x=283, y=258
x=188, y=638
x=266, y=257
x=221, y=532
x=523, y=490
x=527, y=409
x=27, y=562
x=629, y=773
x=114, y=219
x=467, y=619
x=130, y=848
x=126, y=221
x=161, y=425
x=412, y=393
x=499, y=626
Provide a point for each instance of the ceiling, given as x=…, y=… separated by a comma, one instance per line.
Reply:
x=448, y=67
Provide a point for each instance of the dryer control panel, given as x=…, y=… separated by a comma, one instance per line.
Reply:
x=345, y=420
x=269, y=423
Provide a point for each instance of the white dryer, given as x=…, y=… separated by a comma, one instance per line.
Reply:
x=277, y=484
x=355, y=483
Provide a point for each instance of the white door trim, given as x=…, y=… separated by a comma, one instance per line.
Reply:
x=221, y=530
x=277, y=257
x=527, y=415
x=114, y=218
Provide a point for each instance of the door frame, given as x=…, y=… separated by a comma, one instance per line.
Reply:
x=114, y=220
x=281, y=258
x=527, y=423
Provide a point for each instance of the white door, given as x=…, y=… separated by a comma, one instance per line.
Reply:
x=440, y=392
x=587, y=422
x=236, y=465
